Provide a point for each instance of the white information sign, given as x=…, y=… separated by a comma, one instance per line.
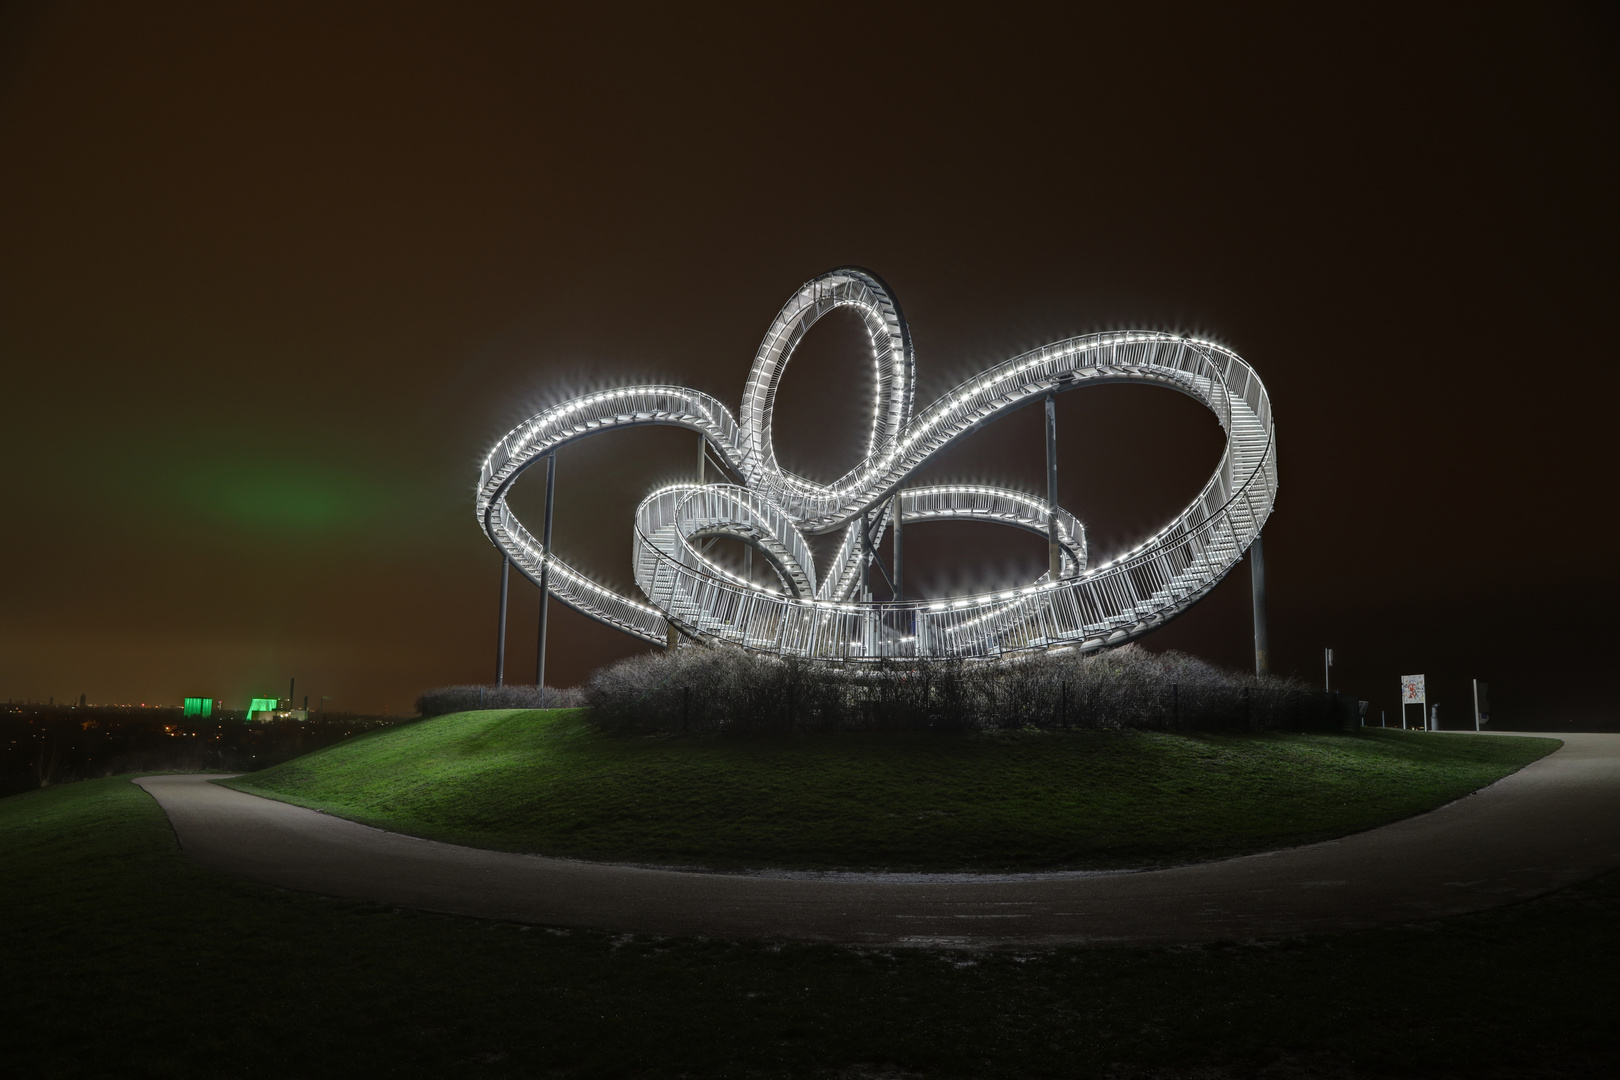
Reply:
x=1412, y=690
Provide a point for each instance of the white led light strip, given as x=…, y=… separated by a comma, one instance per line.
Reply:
x=813, y=615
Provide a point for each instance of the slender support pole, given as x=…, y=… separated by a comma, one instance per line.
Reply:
x=673, y=637
x=702, y=479
x=1257, y=580
x=899, y=549
x=545, y=577
x=878, y=563
x=866, y=559
x=1054, y=560
x=500, y=626
x=1476, y=704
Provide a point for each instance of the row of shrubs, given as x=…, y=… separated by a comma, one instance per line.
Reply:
x=449, y=699
x=700, y=690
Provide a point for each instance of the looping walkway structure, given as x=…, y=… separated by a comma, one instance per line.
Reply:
x=828, y=614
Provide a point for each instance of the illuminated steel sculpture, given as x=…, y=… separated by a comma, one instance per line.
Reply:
x=828, y=614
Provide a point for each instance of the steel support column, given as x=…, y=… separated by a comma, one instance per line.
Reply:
x=545, y=577
x=1054, y=558
x=899, y=549
x=500, y=626
x=1257, y=580
x=866, y=558
x=672, y=636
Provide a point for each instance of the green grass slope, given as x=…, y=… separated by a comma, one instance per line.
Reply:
x=547, y=782
x=124, y=959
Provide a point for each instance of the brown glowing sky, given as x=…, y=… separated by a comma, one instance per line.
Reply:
x=274, y=277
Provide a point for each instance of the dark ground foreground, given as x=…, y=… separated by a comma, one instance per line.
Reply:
x=123, y=958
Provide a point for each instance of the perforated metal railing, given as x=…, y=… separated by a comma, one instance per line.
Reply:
x=955, y=502
x=1089, y=608
x=1136, y=592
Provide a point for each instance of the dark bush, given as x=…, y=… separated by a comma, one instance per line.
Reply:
x=449, y=699
x=701, y=690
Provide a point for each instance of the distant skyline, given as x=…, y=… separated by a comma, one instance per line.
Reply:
x=275, y=278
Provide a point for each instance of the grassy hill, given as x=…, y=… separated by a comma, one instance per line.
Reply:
x=546, y=782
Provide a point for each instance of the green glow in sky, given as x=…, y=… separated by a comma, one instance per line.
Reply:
x=284, y=494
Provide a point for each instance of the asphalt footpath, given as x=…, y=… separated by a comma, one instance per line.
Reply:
x=1554, y=823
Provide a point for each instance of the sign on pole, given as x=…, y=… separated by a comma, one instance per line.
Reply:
x=1412, y=694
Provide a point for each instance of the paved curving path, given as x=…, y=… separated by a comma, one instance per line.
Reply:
x=1552, y=824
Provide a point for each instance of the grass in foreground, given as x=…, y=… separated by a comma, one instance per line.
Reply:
x=547, y=782
x=124, y=959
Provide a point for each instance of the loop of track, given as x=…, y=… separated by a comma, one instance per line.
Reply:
x=815, y=614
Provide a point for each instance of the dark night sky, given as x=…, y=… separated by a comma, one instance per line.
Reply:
x=273, y=278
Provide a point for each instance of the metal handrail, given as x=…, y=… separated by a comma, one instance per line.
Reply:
x=1022, y=605
x=774, y=509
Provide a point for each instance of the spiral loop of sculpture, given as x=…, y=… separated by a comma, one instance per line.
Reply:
x=815, y=614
